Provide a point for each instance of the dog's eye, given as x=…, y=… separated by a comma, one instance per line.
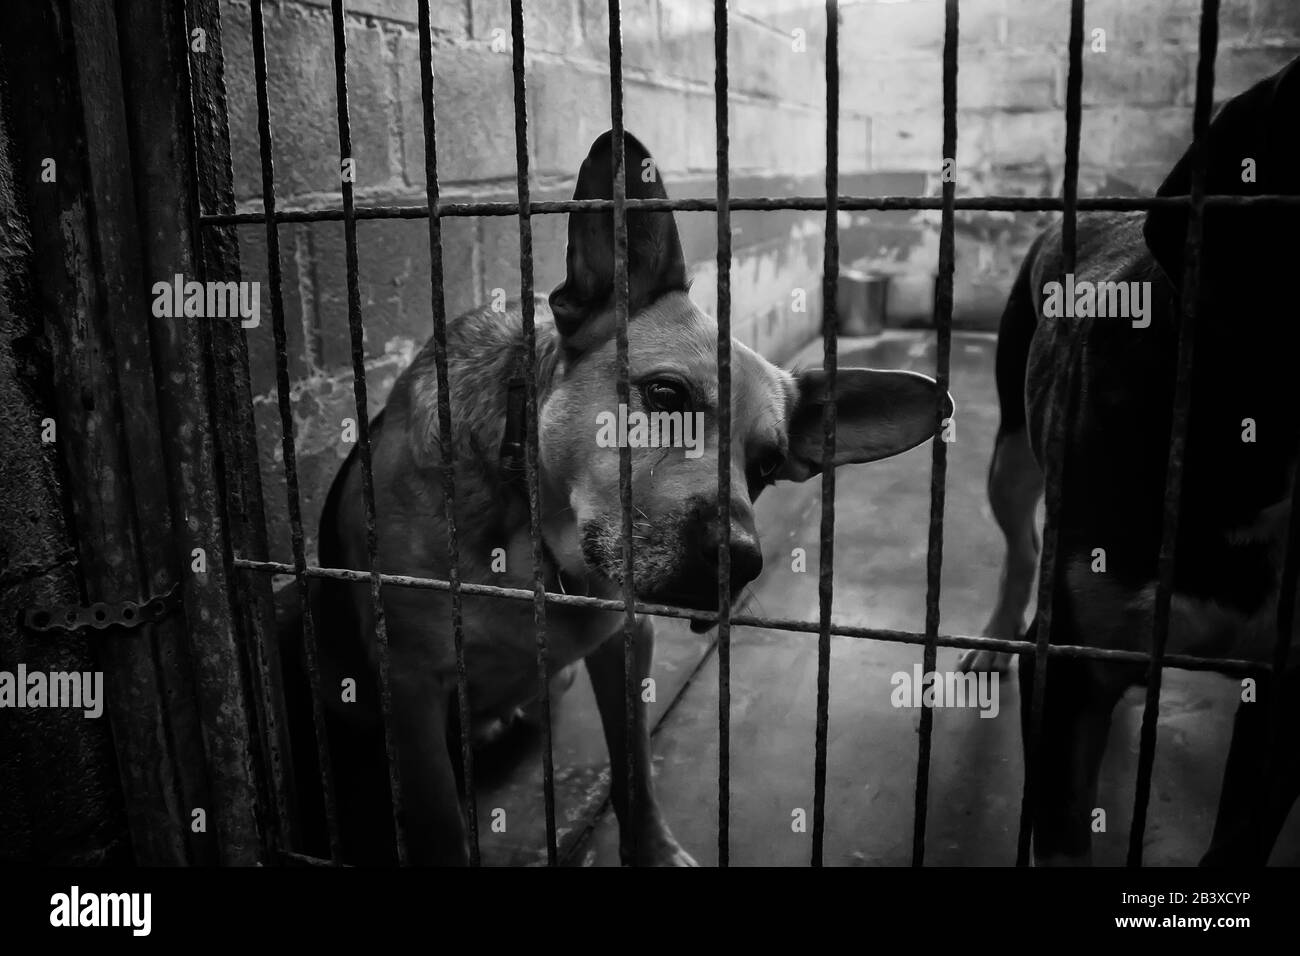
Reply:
x=663, y=395
x=761, y=472
x=768, y=464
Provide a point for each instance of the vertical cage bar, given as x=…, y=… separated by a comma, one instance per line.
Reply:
x=939, y=448
x=215, y=255
x=624, y=452
x=830, y=353
x=446, y=446
x=530, y=458
x=720, y=85
x=1061, y=415
x=363, y=423
x=1209, y=38
x=282, y=387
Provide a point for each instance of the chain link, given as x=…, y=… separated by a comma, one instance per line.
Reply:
x=101, y=616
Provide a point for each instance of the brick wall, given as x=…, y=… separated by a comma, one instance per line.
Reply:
x=1136, y=120
x=777, y=148
x=1137, y=104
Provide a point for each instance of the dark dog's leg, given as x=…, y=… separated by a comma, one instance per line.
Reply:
x=1252, y=809
x=1015, y=482
x=1015, y=488
x=1081, y=695
x=435, y=827
x=654, y=843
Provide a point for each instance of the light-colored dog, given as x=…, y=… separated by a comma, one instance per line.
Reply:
x=776, y=434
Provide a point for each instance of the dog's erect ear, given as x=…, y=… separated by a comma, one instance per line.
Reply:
x=878, y=414
x=1255, y=136
x=656, y=264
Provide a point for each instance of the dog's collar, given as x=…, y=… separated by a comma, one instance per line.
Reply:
x=514, y=448
x=514, y=440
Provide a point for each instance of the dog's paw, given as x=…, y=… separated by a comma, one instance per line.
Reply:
x=1063, y=859
x=660, y=848
x=974, y=661
x=671, y=856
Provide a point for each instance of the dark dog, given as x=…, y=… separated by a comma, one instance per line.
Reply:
x=1239, y=463
x=776, y=434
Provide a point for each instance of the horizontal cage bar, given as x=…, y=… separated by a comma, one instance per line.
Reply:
x=1228, y=666
x=755, y=204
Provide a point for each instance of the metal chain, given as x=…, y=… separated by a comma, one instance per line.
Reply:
x=101, y=616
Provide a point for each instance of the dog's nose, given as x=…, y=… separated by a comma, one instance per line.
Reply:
x=746, y=558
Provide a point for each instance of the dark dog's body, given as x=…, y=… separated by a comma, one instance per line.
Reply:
x=1240, y=456
x=672, y=349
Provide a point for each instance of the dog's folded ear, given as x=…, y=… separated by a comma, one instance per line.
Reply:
x=878, y=413
x=656, y=264
x=1254, y=149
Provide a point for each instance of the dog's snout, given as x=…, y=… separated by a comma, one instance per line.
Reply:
x=746, y=557
x=746, y=562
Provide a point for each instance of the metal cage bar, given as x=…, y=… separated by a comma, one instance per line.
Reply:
x=938, y=448
x=830, y=362
x=930, y=640
x=212, y=255
x=446, y=444
x=285, y=403
x=1208, y=41
x=721, y=110
x=1061, y=415
x=363, y=423
x=1227, y=666
x=621, y=386
x=846, y=203
x=530, y=462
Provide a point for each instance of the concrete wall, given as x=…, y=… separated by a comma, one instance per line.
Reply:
x=1137, y=106
x=777, y=135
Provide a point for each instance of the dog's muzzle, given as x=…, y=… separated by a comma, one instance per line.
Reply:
x=675, y=557
x=696, y=584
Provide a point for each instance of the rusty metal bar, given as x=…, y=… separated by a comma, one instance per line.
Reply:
x=1209, y=38
x=363, y=422
x=830, y=358
x=1062, y=414
x=1231, y=666
x=235, y=666
x=530, y=391
x=446, y=446
x=624, y=398
x=849, y=203
x=63, y=78
x=284, y=394
x=720, y=113
x=939, y=448
x=229, y=394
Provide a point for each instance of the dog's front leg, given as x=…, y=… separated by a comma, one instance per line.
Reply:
x=435, y=827
x=644, y=828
